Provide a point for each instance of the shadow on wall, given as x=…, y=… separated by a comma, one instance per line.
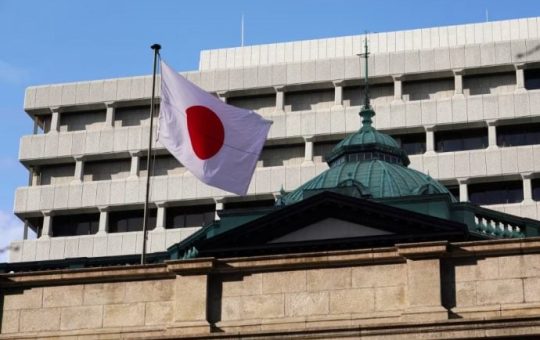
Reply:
x=529, y=52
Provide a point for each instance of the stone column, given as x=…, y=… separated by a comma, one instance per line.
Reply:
x=46, y=228
x=423, y=281
x=36, y=178
x=398, y=87
x=79, y=169
x=103, y=220
x=55, y=119
x=430, y=139
x=280, y=98
x=223, y=96
x=338, y=95
x=308, y=151
x=219, y=201
x=135, y=164
x=192, y=305
x=161, y=216
x=458, y=82
x=109, y=117
x=527, y=188
x=492, y=134
x=520, y=77
x=463, y=190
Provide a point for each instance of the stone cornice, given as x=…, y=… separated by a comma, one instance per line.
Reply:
x=203, y=266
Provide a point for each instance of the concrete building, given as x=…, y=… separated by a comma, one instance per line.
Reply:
x=463, y=101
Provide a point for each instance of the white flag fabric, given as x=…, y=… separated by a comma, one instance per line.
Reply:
x=219, y=143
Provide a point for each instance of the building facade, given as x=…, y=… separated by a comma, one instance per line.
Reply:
x=463, y=101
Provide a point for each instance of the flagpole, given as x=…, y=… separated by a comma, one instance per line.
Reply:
x=156, y=48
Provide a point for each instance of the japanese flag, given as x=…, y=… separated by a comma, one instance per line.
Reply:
x=219, y=143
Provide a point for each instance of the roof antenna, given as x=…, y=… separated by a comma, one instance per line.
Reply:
x=242, y=31
x=367, y=112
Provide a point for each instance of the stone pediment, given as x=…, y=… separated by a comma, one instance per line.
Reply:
x=326, y=221
x=328, y=229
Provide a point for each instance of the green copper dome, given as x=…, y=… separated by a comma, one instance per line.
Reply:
x=368, y=164
x=374, y=179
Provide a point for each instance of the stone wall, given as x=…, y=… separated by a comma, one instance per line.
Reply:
x=414, y=289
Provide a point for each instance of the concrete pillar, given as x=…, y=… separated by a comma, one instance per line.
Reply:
x=398, y=87
x=463, y=190
x=25, y=231
x=36, y=178
x=280, y=98
x=219, y=207
x=430, y=139
x=79, y=169
x=308, y=151
x=527, y=188
x=338, y=94
x=109, y=117
x=520, y=77
x=55, y=120
x=135, y=164
x=492, y=134
x=161, y=217
x=223, y=96
x=103, y=220
x=458, y=82
x=424, y=289
x=46, y=228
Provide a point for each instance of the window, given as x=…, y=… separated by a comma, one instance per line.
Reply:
x=428, y=89
x=44, y=123
x=322, y=149
x=460, y=140
x=532, y=79
x=309, y=100
x=412, y=143
x=126, y=221
x=515, y=135
x=134, y=115
x=536, y=189
x=163, y=165
x=380, y=94
x=35, y=224
x=189, y=216
x=107, y=169
x=57, y=174
x=496, y=192
x=75, y=225
x=454, y=190
x=279, y=155
x=247, y=205
x=262, y=104
x=498, y=83
x=82, y=120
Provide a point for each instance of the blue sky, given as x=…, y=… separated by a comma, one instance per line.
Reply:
x=57, y=41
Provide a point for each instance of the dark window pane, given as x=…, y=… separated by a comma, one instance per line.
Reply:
x=454, y=190
x=72, y=225
x=536, y=189
x=189, y=216
x=496, y=192
x=515, y=135
x=532, y=79
x=126, y=221
x=412, y=143
x=461, y=140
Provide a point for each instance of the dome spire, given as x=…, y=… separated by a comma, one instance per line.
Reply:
x=366, y=112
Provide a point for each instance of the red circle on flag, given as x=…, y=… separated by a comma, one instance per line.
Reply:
x=206, y=131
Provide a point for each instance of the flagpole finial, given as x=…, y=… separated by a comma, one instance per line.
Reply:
x=156, y=47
